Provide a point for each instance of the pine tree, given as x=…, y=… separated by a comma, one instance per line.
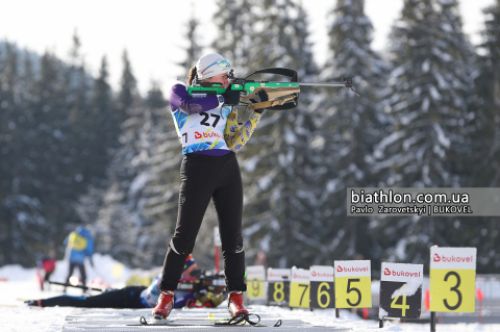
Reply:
x=139, y=204
x=104, y=139
x=55, y=157
x=128, y=95
x=236, y=33
x=119, y=216
x=43, y=180
x=487, y=141
x=277, y=199
x=429, y=105
x=19, y=209
x=105, y=123
x=489, y=89
x=349, y=125
x=193, y=49
x=460, y=98
x=44, y=99
x=160, y=195
x=81, y=119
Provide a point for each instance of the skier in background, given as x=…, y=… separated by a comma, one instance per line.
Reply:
x=79, y=245
x=136, y=297
x=209, y=132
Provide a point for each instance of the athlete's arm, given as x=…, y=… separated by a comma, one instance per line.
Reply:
x=237, y=135
x=180, y=99
x=232, y=125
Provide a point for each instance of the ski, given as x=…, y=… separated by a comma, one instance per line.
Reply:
x=251, y=320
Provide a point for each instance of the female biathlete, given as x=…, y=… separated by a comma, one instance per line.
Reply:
x=208, y=129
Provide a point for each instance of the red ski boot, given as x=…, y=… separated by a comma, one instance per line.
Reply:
x=164, y=305
x=236, y=306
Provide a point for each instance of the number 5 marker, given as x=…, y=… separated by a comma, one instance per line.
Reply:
x=353, y=284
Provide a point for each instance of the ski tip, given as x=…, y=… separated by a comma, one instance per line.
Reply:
x=143, y=320
x=154, y=320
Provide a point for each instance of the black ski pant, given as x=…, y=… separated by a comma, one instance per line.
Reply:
x=128, y=297
x=81, y=267
x=46, y=278
x=203, y=178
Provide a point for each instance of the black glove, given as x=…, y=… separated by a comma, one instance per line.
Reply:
x=231, y=97
x=259, y=96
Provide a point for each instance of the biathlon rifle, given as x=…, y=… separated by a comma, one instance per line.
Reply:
x=278, y=95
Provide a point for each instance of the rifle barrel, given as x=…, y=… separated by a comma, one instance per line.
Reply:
x=327, y=85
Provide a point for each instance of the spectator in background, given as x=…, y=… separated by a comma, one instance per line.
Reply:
x=261, y=258
x=79, y=245
x=46, y=266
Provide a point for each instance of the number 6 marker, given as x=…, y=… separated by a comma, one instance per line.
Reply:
x=322, y=285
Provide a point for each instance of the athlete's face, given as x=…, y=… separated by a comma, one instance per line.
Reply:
x=221, y=78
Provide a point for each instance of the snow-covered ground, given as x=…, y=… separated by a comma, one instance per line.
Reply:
x=18, y=284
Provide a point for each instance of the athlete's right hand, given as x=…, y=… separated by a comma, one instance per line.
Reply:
x=231, y=97
x=259, y=96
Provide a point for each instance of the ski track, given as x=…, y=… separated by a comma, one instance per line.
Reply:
x=17, y=285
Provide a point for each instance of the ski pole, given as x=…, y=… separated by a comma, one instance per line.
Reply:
x=79, y=286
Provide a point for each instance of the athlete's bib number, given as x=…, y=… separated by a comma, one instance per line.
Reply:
x=209, y=120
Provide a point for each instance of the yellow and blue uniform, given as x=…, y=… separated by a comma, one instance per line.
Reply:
x=206, y=125
x=80, y=244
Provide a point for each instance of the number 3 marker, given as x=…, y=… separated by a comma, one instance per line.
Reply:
x=452, y=279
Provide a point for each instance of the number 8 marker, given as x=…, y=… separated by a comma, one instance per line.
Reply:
x=278, y=288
